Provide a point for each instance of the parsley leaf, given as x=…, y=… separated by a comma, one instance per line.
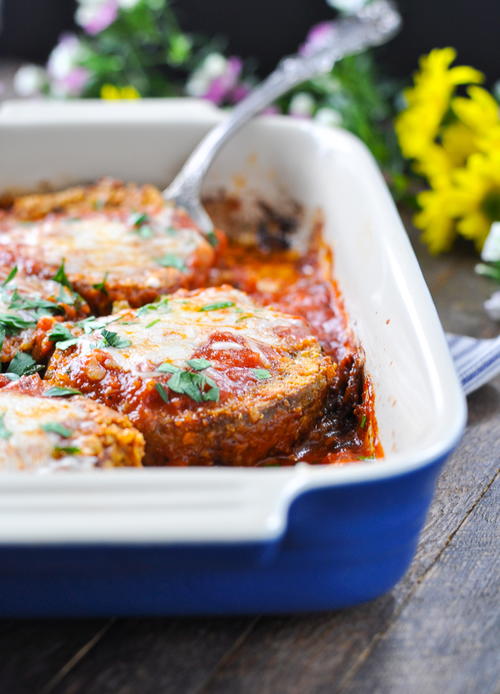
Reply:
x=261, y=374
x=362, y=423
x=58, y=392
x=36, y=304
x=62, y=336
x=111, y=339
x=212, y=239
x=193, y=385
x=101, y=286
x=153, y=322
x=68, y=450
x=171, y=260
x=61, y=277
x=56, y=428
x=11, y=324
x=10, y=276
x=4, y=432
x=137, y=219
x=217, y=305
x=168, y=368
x=199, y=364
x=23, y=365
x=160, y=389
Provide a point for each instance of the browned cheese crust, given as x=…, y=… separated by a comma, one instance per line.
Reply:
x=45, y=433
x=207, y=376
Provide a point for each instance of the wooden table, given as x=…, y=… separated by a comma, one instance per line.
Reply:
x=436, y=632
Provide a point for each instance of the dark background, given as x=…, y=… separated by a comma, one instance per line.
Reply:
x=268, y=29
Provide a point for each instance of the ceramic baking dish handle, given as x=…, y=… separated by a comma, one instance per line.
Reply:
x=175, y=505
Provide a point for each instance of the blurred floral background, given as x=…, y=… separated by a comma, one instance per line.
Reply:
x=435, y=133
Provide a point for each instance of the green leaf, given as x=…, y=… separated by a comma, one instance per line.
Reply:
x=168, y=368
x=362, y=423
x=161, y=392
x=11, y=324
x=56, y=428
x=199, y=364
x=171, y=260
x=261, y=374
x=59, y=392
x=40, y=306
x=137, y=219
x=212, y=238
x=153, y=322
x=216, y=306
x=111, y=339
x=23, y=365
x=61, y=277
x=68, y=450
x=101, y=286
x=10, y=276
x=4, y=432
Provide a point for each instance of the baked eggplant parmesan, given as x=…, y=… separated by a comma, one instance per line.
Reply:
x=44, y=427
x=208, y=376
x=116, y=243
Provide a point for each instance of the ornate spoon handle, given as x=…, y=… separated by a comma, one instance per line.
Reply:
x=373, y=25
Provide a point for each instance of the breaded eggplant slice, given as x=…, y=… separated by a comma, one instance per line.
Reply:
x=29, y=308
x=121, y=252
x=42, y=429
x=207, y=376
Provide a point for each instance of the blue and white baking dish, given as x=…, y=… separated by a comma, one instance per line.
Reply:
x=234, y=541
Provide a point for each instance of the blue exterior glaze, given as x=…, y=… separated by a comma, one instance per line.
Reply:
x=342, y=545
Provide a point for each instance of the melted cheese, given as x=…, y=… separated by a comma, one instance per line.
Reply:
x=25, y=445
x=174, y=330
x=99, y=244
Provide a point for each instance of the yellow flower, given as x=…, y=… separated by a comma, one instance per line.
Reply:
x=436, y=217
x=111, y=92
x=480, y=111
x=428, y=100
x=476, y=199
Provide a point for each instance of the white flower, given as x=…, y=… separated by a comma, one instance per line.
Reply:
x=64, y=57
x=348, y=6
x=492, y=306
x=491, y=248
x=302, y=105
x=211, y=68
x=328, y=116
x=128, y=4
x=29, y=80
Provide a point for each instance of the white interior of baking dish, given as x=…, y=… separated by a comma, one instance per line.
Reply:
x=419, y=403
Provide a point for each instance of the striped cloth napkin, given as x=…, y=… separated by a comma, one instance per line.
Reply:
x=476, y=361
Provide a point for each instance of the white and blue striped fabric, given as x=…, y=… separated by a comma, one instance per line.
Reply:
x=476, y=361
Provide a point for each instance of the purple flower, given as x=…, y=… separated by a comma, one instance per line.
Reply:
x=318, y=37
x=96, y=15
x=223, y=85
x=75, y=81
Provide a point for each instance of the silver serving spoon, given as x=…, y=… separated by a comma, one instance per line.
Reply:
x=373, y=25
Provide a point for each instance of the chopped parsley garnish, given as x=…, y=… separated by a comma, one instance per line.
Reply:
x=111, y=339
x=62, y=336
x=145, y=232
x=162, y=303
x=137, y=219
x=161, y=392
x=101, y=286
x=38, y=305
x=62, y=278
x=56, y=428
x=199, y=364
x=212, y=238
x=92, y=323
x=10, y=276
x=194, y=386
x=217, y=305
x=4, y=432
x=171, y=260
x=12, y=324
x=153, y=322
x=58, y=392
x=168, y=368
x=362, y=423
x=24, y=365
x=261, y=374
x=68, y=450
x=366, y=457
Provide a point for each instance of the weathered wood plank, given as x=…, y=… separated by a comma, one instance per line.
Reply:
x=31, y=651
x=154, y=655
x=447, y=638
